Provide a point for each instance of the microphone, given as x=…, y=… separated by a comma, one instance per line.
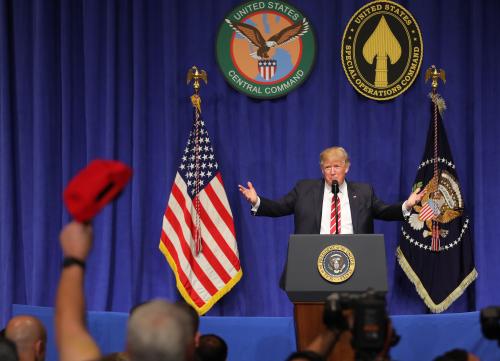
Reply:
x=335, y=187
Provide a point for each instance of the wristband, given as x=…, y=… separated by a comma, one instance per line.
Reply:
x=69, y=261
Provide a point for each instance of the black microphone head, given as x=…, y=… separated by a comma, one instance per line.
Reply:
x=335, y=186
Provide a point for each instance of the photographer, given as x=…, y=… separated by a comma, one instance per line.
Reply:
x=319, y=348
x=336, y=322
x=365, y=316
x=372, y=332
x=457, y=355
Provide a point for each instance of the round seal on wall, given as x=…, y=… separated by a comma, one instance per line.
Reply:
x=265, y=49
x=382, y=50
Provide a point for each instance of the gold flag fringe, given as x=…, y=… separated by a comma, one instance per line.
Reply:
x=435, y=308
x=185, y=294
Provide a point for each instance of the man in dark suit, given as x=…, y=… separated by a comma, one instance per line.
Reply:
x=312, y=203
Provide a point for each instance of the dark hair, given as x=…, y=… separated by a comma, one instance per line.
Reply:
x=211, y=348
x=454, y=355
x=115, y=356
x=8, y=350
x=308, y=355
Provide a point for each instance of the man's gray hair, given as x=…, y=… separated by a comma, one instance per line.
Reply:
x=158, y=331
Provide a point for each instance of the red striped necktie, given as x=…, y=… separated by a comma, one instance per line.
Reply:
x=333, y=216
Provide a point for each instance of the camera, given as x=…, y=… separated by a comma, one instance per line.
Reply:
x=366, y=316
x=490, y=323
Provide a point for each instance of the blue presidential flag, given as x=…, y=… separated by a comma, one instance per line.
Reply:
x=436, y=248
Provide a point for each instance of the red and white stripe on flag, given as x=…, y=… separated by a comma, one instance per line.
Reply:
x=204, y=278
x=426, y=213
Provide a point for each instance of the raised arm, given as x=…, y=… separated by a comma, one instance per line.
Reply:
x=74, y=342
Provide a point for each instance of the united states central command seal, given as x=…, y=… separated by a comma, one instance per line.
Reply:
x=336, y=263
x=265, y=49
x=382, y=50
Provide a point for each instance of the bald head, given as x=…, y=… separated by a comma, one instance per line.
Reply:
x=29, y=335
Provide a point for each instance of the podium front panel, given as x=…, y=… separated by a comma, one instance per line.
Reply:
x=303, y=281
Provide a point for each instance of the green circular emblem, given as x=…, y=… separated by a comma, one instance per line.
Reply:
x=336, y=263
x=265, y=49
x=382, y=50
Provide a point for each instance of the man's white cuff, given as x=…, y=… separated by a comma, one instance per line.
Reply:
x=256, y=206
x=406, y=212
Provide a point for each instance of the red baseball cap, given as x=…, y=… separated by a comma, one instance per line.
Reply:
x=94, y=187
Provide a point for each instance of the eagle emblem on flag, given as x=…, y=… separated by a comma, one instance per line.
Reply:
x=441, y=203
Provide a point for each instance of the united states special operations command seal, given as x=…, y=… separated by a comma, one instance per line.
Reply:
x=382, y=50
x=336, y=263
x=265, y=49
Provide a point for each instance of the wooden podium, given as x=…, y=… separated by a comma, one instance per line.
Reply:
x=309, y=322
x=308, y=289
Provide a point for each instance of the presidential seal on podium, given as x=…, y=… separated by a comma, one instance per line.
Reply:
x=336, y=263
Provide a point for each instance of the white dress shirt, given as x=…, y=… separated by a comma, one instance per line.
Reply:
x=345, y=210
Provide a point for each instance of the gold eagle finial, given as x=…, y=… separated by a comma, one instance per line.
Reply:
x=435, y=74
x=194, y=73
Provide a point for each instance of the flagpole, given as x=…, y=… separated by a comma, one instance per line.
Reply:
x=197, y=75
x=198, y=237
x=435, y=75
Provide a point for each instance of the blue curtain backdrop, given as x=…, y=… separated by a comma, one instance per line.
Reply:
x=90, y=79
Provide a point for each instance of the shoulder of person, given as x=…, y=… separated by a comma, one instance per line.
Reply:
x=359, y=186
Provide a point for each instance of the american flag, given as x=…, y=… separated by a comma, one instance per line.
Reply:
x=198, y=237
x=429, y=211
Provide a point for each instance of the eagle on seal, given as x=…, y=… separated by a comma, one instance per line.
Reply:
x=444, y=192
x=254, y=37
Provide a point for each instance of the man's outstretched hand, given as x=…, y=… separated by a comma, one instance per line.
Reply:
x=249, y=193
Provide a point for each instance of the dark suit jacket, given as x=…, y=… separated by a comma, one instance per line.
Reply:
x=305, y=201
